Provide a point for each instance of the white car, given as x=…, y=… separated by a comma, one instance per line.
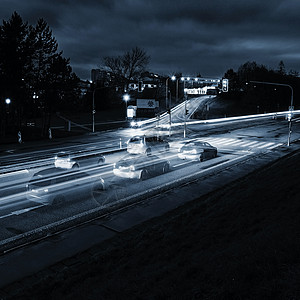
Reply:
x=147, y=145
x=197, y=150
x=54, y=186
x=75, y=160
x=140, y=166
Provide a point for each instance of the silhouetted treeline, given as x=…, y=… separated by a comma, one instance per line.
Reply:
x=34, y=75
x=263, y=97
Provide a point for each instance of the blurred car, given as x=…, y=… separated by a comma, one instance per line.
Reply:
x=197, y=150
x=54, y=185
x=135, y=124
x=72, y=160
x=140, y=166
x=146, y=144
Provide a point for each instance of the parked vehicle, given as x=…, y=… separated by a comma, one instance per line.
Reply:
x=147, y=145
x=197, y=150
x=140, y=166
x=73, y=160
x=55, y=185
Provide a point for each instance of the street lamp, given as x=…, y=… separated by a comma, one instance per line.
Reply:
x=184, y=95
x=126, y=98
x=7, y=101
x=93, y=107
x=290, y=108
x=167, y=92
x=174, y=78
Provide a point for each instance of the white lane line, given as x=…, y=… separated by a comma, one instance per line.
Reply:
x=276, y=145
x=265, y=145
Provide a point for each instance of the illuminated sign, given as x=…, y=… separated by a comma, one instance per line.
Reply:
x=225, y=85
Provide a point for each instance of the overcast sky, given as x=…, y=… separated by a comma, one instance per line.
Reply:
x=188, y=36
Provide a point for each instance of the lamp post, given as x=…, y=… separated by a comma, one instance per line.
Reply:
x=184, y=95
x=167, y=92
x=290, y=108
x=174, y=78
x=93, y=108
x=126, y=98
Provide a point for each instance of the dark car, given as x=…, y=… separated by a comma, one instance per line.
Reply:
x=146, y=144
x=69, y=160
x=54, y=185
x=197, y=150
x=140, y=166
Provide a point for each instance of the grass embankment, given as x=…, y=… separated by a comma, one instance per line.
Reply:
x=241, y=242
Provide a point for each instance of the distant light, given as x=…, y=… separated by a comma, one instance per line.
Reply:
x=196, y=79
x=182, y=78
x=126, y=97
x=7, y=101
x=188, y=78
x=173, y=77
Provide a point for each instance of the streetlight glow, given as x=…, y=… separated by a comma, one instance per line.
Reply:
x=126, y=97
x=7, y=101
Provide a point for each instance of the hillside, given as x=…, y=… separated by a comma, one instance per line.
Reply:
x=241, y=242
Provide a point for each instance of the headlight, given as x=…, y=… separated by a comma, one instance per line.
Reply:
x=132, y=168
x=132, y=124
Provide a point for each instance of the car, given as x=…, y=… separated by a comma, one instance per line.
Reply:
x=75, y=160
x=146, y=144
x=55, y=185
x=197, y=150
x=140, y=166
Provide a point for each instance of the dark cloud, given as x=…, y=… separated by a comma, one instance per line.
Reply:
x=189, y=36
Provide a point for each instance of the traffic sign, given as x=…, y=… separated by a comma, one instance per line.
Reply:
x=225, y=85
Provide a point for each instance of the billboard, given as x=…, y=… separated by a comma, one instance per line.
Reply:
x=147, y=103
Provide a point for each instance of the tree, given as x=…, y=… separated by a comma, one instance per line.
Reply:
x=32, y=71
x=14, y=62
x=281, y=68
x=130, y=65
x=135, y=62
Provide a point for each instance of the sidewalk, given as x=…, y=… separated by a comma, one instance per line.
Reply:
x=104, y=120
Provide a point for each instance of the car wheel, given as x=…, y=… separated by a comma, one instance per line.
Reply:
x=58, y=200
x=201, y=157
x=167, y=148
x=101, y=161
x=148, y=151
x=166, y=168
x=76, y=166
x=144, y=175
x=97, y=192
x=216, y=154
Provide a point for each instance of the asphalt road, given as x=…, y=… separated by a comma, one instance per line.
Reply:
x=236, y=142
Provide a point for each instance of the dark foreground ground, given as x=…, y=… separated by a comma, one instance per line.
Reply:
x=241, y=242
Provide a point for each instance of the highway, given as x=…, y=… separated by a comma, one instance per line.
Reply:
x=237, y=141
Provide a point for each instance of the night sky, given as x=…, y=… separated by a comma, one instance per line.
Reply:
x=188, y=36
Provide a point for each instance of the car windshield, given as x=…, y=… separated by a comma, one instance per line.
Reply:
x=135, y=140
x=63, y=155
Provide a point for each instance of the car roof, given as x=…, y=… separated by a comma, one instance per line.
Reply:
x=53, y=171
